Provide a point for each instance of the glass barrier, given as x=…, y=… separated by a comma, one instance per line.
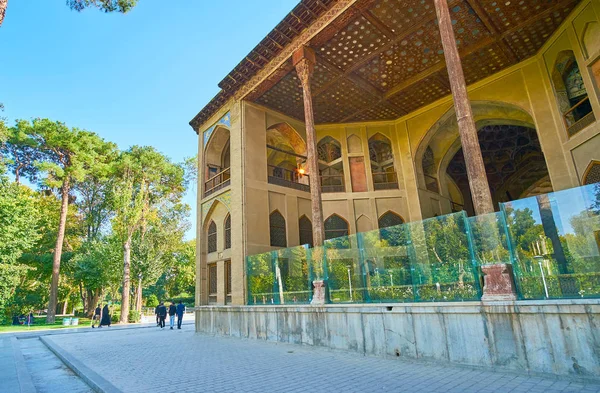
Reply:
x=556, y=240
x=442, y=260
x=344, y=271
x=292, y=276
x=262, y=285
x=490, y=239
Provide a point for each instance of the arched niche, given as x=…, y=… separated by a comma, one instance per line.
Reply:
x=590, y=39
x=363, y=224
x=217, y=160
x=282, y=139
x=354, y=144
x=591, y=174
x=331, y=168
x=382, y=162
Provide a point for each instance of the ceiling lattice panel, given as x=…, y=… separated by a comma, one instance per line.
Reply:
x=340, y=101
x=527, y=40
x=398, y=16
x=423, y=92
x=285, y=96
x=356, y=41
x=387, y=60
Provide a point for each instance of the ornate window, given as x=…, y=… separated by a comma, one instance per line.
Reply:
x=228, y=281
x=332, y=171
x=390, y=219
x=277, y=229
x=571, y=93
x=382, y=163
x=592, y=174
x=212, y=237
x=228, y=232
x=212, y=283
x=306, y=235
x=335, y=226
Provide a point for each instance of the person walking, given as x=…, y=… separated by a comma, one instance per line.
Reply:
x=96, y=317
x=172, y=312
x=162, y=315
x=156, y=312
x=105, y=320
x=180, y=312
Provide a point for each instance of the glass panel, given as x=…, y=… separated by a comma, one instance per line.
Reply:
x=442, y=260
x=490, y=242
x=261, y=279
x=343, y=270
x=387, y=269
x=556, y=238
x=292, y=276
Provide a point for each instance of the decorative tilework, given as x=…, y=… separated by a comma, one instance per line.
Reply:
x=225, y=121
x=224, y=198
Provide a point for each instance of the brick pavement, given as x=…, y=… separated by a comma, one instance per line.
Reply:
x=181, y=361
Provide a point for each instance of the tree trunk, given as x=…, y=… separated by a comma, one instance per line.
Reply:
x=3, y=4
x=126, y=281
x=65, y=306
x=549, y=225
x=51, y=317
x=138, y=296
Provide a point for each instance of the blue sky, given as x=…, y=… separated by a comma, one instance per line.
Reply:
x=137, y=78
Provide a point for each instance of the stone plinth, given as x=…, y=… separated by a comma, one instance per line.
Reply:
x=318, y=292
x=499, y=283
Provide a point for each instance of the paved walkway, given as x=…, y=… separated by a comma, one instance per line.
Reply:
x=150, y=359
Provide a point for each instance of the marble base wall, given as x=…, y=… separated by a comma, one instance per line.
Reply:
x=540, y=337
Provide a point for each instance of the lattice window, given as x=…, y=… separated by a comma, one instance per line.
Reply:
x=228, y=278
x=228, y=232
x=306, y=235
x=335, y=226
x=390, y=219
x=212, y=279
x=212, y=237
x=277, y=229
x=592, y=175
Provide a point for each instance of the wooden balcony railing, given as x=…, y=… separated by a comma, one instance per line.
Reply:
x=217, y=182
x=431, y=183
x=385, y=181
x=332, y=183
x=288, y=178
x=575, y=121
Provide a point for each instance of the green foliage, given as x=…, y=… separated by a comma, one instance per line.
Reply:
x=152, y=300
x=134, y=316
x=103, y=5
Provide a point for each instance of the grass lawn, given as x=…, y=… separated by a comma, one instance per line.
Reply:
x=40, y=324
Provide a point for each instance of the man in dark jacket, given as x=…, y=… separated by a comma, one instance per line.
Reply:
x=172, y=311
x=156, y=313
x=180, y=312
x=162, y=315
x=97, y=316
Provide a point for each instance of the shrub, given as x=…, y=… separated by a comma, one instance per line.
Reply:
x=114, y=318
x=151, y=301
x=134, y=316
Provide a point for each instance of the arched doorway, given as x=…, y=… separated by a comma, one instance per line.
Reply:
x=286, y=157
x=511, y=150
x=217, y=161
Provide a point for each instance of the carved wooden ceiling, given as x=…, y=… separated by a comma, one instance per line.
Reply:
x=387, y=59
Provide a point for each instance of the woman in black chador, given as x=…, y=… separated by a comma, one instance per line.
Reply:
x=105, y=317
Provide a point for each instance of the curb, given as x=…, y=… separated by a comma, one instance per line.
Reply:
x=93, y=379
x=25, y=382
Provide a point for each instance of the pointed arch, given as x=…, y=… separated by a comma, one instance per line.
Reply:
x=382, y=163
x=331, y=168
x=211, y=237
x=590, y=38
x=335, y=226
x=591, y=174
x=227, y=226
x=390, y=219
x=354, y=144
x=363, y=224
x=277, y=229
x=305, y=229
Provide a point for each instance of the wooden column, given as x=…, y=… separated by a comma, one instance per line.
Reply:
x=480, y=190
x=304, y=61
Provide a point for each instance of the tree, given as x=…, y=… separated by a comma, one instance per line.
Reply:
x=67, y=156
x=21, y=152
x=147, y=180
x=122, y=6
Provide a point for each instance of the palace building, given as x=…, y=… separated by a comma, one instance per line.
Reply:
x=353, y=115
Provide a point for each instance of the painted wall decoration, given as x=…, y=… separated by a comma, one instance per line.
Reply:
x=224, y=198
x=225, y=121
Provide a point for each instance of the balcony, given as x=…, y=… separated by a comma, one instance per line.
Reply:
x=431, y=184
x=385, y=181
x=579, y=116
x=217, y=182
x=332, y=183
x=288, y=178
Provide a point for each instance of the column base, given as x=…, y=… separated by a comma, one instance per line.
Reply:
x=318, y=293
x=499, y=284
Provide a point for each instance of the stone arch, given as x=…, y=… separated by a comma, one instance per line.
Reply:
x=591, y=174
x=335, y=226
x=211, y=237
x=590, y=38
x=363, y=224
x=227, y=231
x=217, y=213
x=277, y=229
x=389, y=219
x=354, y=144
x=305, y=230
x=331, y=168
x=285, y=146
